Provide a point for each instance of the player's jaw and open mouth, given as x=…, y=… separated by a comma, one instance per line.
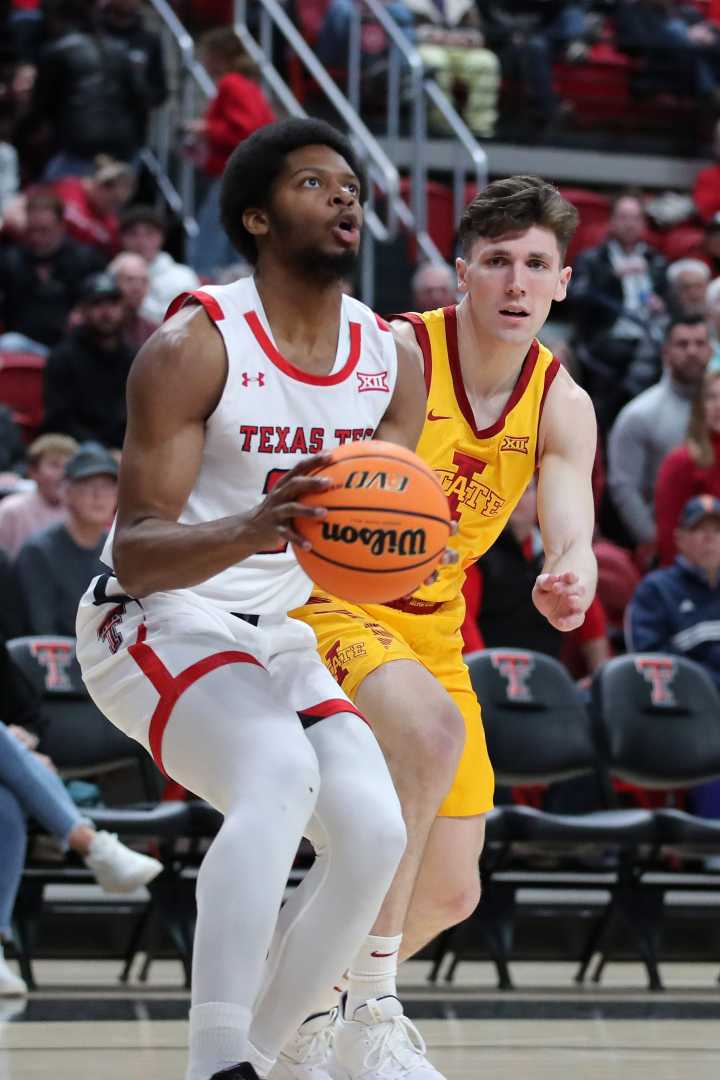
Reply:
x=346, y=229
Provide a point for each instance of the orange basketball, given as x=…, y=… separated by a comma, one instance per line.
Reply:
x=387, y=524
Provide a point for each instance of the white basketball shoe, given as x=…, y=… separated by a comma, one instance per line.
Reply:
x=309, y=1053
x=380, y=1043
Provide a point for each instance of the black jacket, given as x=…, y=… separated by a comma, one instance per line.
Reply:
x=37, y=293
x=85, y=389
x=92, y=94
x=144, y=48
x=596, y=292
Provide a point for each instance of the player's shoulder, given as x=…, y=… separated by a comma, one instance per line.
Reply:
x=565, y=394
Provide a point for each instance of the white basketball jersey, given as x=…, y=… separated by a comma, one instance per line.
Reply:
x=272, y=415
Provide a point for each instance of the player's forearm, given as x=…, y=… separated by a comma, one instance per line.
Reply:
x=576, y=556
x=155, y=555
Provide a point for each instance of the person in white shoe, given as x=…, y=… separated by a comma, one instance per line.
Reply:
x=30, y=787
x=187, y=645
x=497, y=411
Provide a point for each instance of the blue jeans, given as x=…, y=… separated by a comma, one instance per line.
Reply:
x=211, y=250
x=27, y=789
x=332, y=42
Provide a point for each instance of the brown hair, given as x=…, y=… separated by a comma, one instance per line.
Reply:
x=698, y=437
x=224, y=43
x=44, y=198
x=51, y=444
x=514, y=205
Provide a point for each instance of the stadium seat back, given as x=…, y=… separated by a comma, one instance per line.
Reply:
x=658, y=720
x=21, y=388
x=536, y=727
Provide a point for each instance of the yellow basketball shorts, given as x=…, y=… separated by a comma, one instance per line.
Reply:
x=353, y=641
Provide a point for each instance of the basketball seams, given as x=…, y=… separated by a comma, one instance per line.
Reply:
x=363, y=570
x=386, y=510
x=361, y=452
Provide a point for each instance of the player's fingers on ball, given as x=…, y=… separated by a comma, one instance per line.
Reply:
x=294, y=538
x=299, y=509
x=453, y=528
x=449, y=557
x=317, y=461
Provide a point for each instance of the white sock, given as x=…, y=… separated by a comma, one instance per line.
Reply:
x=373, y=972
x=218, y=1038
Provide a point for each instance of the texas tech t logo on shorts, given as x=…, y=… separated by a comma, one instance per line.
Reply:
x=515, y=668
x=659, y=671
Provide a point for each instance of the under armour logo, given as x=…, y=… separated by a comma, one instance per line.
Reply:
x=247, y=378
x=659, y=671
x=515, y=668
x=109, y=632
x=55, y=658
x=372, y=381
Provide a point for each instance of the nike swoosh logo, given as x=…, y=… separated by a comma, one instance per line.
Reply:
x=432, y=416
x=384, y=954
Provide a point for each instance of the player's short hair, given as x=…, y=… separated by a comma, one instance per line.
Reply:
x=516, y=204
x=44, y=445
x=683, y=320
x=254, y=166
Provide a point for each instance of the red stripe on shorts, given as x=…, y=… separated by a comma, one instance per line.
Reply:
x=171, y=687
x=330, y=708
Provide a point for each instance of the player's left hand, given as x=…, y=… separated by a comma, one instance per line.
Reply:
x=561, y=599
x=448, y=558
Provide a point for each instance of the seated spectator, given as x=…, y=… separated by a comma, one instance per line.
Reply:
x=54, y=566
x=86, y=373
x=142, y=231
x=434, y=285
x=26, y=512
x=239, y=108
x=528, y=35
x=690, y=469
x=507, y=615
x=132, y=277
x=30, y=787
x=706, y=192
x=122, y=21
x=40, y=278
x=92, y=203
x=451, y=43
x=677, y=609
x=679, y=47
x=90, y=92
x=687, y=282
x=616, y=295
x=12, y=617
x=650, y=425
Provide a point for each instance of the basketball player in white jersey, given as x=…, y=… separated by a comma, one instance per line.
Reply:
x=186, y=645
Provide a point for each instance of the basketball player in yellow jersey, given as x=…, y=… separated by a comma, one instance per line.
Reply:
x=499, y=408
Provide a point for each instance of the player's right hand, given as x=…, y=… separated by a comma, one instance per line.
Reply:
x=271, y=522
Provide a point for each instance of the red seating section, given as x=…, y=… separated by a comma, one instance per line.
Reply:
x=21, y=388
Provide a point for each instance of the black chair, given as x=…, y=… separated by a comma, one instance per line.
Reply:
x=658, y=723
x=538, y=732
x=79, y=739
x=83, y=743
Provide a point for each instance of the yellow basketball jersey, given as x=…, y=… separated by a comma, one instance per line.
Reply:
x=483, y=472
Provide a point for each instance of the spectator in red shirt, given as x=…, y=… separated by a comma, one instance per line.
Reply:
x=690, y=469
x=92, y=203
x=706, y=192
x=239, y=108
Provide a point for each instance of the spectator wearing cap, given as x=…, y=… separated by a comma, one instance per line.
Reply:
x=690, y=469
x=676, y=609
x=142, y=231
x=434, y=285
x=54, y=566
x=86, y=374
x=706, y=192
x=40, y=277
x=131, y=273
x=92, y=203
x=26, y=512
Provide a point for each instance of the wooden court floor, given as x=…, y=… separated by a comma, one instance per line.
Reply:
x=81, y=1024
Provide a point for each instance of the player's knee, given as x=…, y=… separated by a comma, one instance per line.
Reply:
x=366, y=826
x=294, y=773
x=439, y=743
x=455, y=900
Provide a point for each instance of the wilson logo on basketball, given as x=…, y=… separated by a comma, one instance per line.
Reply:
x=385, y=481
x=379, y=542
x=373, y=381
x=517, y=444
